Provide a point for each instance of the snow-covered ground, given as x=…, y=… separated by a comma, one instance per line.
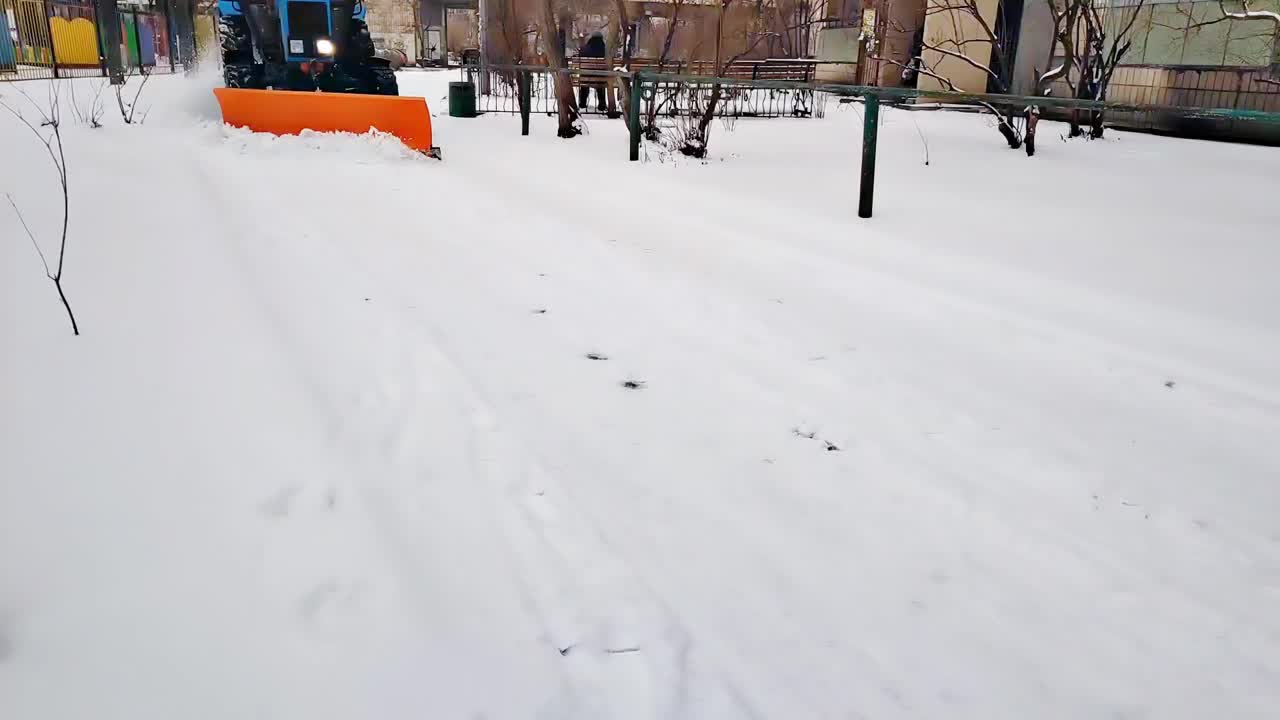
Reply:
x=331, y=446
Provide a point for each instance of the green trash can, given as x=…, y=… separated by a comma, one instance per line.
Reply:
x=462, y=99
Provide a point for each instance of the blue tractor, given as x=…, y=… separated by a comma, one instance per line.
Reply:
x=303, y=45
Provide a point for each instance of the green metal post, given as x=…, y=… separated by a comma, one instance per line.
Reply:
x=110, y=38
x=870, y=124
x=633, y=121
x=137, y=40
x=526, y=99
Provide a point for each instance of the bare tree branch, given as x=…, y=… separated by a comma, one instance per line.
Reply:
x=36, y=245
x=1246, y=13
x=963, y=58
x=132, y=106
x=50, y=118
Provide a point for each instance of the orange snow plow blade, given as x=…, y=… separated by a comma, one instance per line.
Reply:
x=283, y=112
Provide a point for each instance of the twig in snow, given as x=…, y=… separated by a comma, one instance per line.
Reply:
x=92, y=113
x=127, y=109
x=36, y=245
x=49, y=118
x=924, y=140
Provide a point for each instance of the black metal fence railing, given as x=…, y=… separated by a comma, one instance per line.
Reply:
x=498, y=91
x=737, y=100
x=44, y=39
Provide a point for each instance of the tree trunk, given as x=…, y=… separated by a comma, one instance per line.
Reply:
x=1033, y=117
x=651, y=108
x=1096, y=121
x=566, y=103
x=622, y=87
x=1005, y=125
x=695, y=144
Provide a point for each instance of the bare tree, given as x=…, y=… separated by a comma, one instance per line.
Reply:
x=969, y=42
x=553, y=23
x=996, y=37
x=620, y=31
x=760, y=26
x=511, y=29
x=128, y=109
x=796, y=20
x=1066, y=16
x=1090, y=54
x=656, y=101
x=1104, y=54
x=49, y=118
x=91, y=113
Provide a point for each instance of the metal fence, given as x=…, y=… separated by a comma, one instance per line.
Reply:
x=504, y=87
x=1267, y=124
x=42, y=39
x=498, y=91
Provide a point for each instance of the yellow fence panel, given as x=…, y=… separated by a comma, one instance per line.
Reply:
x=75, y=42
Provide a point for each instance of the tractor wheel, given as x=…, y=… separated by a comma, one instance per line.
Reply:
x=233, y=36
x=243, y=76
x=238, y=69
x=383, y=80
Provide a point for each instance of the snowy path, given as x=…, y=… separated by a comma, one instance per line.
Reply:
x=358, y=464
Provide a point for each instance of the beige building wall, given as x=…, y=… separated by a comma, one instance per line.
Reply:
x=394, y=25
x=941, y=24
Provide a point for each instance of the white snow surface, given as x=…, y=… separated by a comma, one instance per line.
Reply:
x=330, y=445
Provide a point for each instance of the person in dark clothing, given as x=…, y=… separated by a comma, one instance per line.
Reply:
x=592, y=48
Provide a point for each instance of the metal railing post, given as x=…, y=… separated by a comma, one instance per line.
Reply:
x=870, y=125
x=633, y=112
x=98, y=37
x=526, y=99
x=109, y=19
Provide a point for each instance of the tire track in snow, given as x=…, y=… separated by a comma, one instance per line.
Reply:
x=465, y=632
x=1097, y=554
x=720, y=357
x=599, y=636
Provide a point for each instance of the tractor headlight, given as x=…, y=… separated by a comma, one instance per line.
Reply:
x=324, y=46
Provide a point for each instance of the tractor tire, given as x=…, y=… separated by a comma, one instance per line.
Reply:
x=243, y=76
x=234, y=38
x=383, y=80
x=238, y=68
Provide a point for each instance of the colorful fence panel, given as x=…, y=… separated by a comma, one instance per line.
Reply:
x=75, y=42
x=63, y=38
